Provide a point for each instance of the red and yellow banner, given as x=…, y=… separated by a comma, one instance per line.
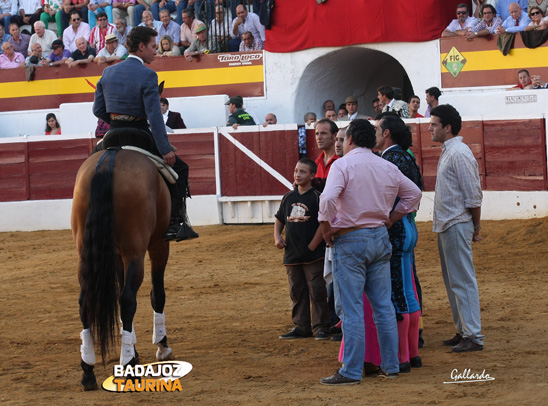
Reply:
x=236, y=73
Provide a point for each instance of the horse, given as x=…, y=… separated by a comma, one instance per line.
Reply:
x=121, y=209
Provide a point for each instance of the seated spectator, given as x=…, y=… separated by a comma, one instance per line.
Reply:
x=52, y=125
x=42, y=36
x=149, y=21
x=122, y=30
x=386, y=97
x=19, y=40
x=201, y=45
x=140, y=7
x=538, y=21
x=167, y=48
x=122, y=9
x=8, y=8
x=331, y=114
x=188, y=28
x=517, y=21
x=83, y=54
x=524, y=81
x=98, y=34
x=542, y=4
x=3, y=37
x=169, y=27
x=112, y=51
x=9, y=58
x=502, y=7
x=59, y=54
x=219, y=29
x=414, y=106
x=487, y=26
x=35, y=58
x=342, y=113
x=67, y=7
x=77, y=29
x=249, y=43
x=99, y=6
x=172, y=119
x=461, y=24
x=245, y=21
x=29, y=12
x=270, y=118
x=50, y=9
x=478, y=4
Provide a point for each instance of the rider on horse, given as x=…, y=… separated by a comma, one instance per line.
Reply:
x=126, y=97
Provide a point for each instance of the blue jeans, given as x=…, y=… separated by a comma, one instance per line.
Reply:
x=361, y=263
x=92, y=15
x=138, y=14
x=155, y=8
x=459, y=276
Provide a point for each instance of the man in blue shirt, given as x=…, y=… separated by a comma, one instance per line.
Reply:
x=517, y=21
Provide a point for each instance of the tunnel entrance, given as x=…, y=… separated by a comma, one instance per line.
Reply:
x=351, y=71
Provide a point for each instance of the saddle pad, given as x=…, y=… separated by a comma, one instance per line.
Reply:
x=165, y=170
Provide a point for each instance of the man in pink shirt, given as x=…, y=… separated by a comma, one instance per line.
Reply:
x=355, y=212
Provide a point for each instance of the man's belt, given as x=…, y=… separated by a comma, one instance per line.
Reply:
x=344, y=231
x=124, y=117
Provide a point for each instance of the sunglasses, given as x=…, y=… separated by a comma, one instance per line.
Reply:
x=76, y=19
x=534, y=13
x=462, y=12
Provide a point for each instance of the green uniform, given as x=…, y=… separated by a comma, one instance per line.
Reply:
x=240, y=117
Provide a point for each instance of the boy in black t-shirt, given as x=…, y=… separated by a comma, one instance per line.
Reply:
x=304, y=254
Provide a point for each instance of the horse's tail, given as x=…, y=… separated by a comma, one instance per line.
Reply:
x=100, y=291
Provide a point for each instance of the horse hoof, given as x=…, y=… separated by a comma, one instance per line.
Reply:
x=89, y=385
x=88, y=378
x=164, y=354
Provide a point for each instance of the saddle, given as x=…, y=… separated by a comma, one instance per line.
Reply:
x=138, y=140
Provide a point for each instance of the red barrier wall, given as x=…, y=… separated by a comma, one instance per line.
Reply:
x=509, y=158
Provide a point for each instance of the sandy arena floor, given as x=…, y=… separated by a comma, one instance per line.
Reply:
x=227, y=302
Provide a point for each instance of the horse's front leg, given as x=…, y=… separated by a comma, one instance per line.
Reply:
x=87, y=351
x=128, y=307
x=158, y=257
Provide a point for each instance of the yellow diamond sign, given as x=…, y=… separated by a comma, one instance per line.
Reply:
x=454, y=62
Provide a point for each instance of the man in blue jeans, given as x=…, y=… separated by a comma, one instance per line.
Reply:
x=457, y=213
x=355, y=212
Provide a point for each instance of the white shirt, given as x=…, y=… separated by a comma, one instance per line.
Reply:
x=70, y=37
x=45, y=41
x=119, y=51
x=30, y=6
x=251, y=24
x=470, y=22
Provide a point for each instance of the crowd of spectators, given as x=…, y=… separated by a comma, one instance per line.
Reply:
x=185, y=27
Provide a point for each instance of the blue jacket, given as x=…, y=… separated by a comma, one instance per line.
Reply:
x=131, y=88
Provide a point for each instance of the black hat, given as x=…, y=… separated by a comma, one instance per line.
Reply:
x=58, y=43
x=235, y=100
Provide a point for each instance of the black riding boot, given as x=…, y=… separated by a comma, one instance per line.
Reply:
x=179, y=226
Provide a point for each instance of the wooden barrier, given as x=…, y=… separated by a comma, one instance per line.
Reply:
x=511, y=155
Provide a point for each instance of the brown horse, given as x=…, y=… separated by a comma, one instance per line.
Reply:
x=120, y=210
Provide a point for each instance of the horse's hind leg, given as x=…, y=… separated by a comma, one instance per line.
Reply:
x=159, y=254
x=87, y=350
x=128, y=307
